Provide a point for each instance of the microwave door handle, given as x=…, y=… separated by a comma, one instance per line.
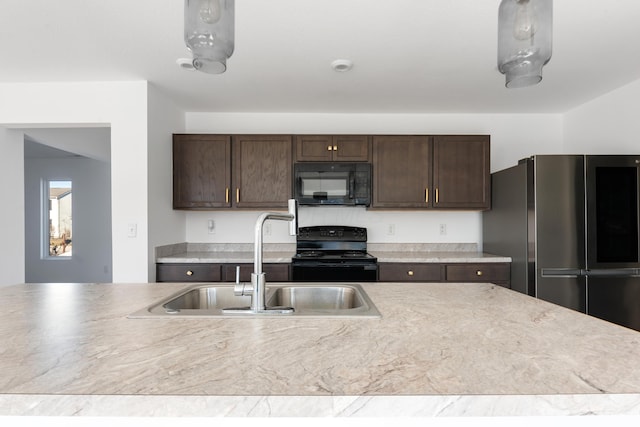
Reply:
x=352, y=185
x=299, y=187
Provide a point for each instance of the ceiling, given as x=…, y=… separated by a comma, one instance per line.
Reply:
x=410, y=56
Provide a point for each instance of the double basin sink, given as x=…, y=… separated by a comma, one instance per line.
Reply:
x=321, y=300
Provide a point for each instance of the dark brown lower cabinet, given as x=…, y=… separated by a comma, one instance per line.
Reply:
x=276, y=272
x=188, y=272
x=498, y=273
x=409, y=272
x=203, y=272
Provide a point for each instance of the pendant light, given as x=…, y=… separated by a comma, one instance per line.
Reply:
x=208, y=33
x=524, y=40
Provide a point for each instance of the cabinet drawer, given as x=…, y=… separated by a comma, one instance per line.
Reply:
x=407, y=272
x=187, y=272
x=277, y=272
x=481, y=272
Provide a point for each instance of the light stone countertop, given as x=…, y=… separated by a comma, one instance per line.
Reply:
x=440, y=349
x=282, y=253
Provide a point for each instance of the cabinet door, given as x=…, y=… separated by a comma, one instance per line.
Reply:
x=324, y=148
x=262, y=167
x=461, y=172
x=187, y=272
x=409, y=272
x=401, y=171
x=351, y=148
x=314, y=148
x=499, y=273
x=201, y=171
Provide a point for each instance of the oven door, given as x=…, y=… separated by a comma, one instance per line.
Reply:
x=334, y=272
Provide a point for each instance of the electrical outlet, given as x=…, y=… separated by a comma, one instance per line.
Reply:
x=391, y=229
x=211, y=226
x=443, y=229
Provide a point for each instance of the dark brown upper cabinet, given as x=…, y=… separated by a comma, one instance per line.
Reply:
x=431, y=172
x=461, y=174
x=401, y=171
x=201, y=171
x=262, y=171
x=224, y=171
x=336, y=148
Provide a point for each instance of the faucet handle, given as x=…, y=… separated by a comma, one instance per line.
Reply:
x=243, y=289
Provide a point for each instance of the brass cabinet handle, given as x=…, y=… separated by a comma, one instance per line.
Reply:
x=237, y=195
x=437, y=196
x=329, y=148
x=479, y=273
x=335, y=148
x=426, y=195
x=189, y=273
x=410, y=272
x=226, y=195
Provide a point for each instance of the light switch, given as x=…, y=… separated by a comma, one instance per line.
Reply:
x=132, y=230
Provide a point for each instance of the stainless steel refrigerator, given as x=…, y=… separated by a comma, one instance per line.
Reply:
x=571, y=225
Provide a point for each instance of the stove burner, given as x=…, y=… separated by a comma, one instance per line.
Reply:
x=354, y=254
x=311, y=254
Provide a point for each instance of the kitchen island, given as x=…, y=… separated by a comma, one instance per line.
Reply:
x=439, y=349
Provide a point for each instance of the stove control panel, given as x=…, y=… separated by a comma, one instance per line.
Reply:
x=331, y=232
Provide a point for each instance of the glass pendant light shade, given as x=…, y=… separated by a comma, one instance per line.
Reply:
x=209, y=32
x=524, y=40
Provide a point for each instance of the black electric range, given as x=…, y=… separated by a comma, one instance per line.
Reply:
x=333, y=253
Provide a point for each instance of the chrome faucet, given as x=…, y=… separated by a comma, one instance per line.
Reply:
x=257, y=288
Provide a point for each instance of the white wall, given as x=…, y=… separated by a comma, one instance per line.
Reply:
x=513, y=136
x=609, y=124
x=91, y=142
x=12, y=211
x=123, y=106
x=91, y=258
x=166, y=226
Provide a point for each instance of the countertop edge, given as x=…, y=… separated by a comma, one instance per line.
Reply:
x=319, y=406
x=285, y=257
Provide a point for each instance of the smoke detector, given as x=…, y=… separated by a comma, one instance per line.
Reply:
x=342, y=65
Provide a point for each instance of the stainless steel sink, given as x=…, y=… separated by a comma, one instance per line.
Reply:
x=303, y=298
x=322, y=300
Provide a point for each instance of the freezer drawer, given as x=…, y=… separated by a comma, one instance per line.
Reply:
x=569, y=292
x=615, y=299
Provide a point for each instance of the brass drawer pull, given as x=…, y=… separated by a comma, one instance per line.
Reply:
x=410, y=272
x=189, y=273
x=237, y=195
x=329, y=148
x=426, y=195
x=479, y=273
x=437, y=196
x=226, y=195
x=335, y=148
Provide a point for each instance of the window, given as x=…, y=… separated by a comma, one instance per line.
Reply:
x=59, y=236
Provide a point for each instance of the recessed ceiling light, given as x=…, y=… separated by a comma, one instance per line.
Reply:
x=186, y=64
x=341, y=65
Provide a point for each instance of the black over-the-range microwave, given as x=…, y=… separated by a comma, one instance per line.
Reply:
x=332, y=183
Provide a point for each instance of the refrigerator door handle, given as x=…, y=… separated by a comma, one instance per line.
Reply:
x=613, y=272
x=561, y=272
